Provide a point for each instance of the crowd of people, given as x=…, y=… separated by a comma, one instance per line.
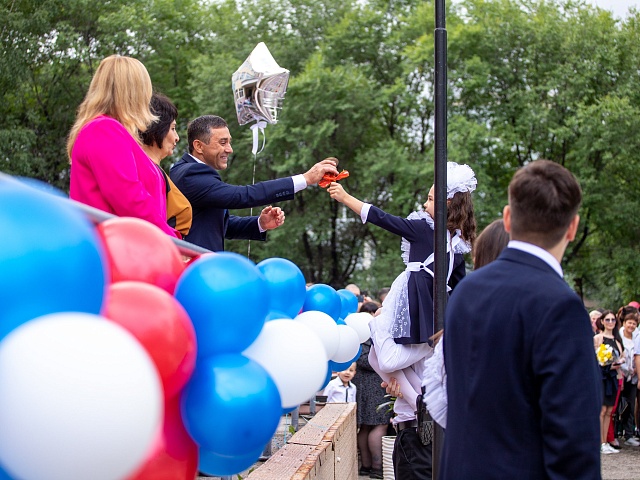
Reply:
x=619, y=331
x=537, y=418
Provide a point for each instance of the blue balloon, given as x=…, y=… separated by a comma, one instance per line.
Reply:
x=275, y=315
x=4, y=475
x=323, y=298
x=340, y=367
x=349, y=302
x=42, y=186
x=289, y=410
x=213, y=463
x=231, y=406
x=51, y=259
x=327, y=379
x=340, y=321
x=227, y=300
x=286, y=285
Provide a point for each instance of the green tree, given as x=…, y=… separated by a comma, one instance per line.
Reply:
x=50, y=50
x=534, y=79
x=528, y=79
x=346, y=99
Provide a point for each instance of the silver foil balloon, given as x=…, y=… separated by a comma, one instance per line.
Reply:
x=259, y=86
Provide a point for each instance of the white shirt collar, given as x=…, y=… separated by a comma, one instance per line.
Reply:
x=539, y=252
x=196, y=159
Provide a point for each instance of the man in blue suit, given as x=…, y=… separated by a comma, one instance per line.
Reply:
x=523, y=385
x=196, y=175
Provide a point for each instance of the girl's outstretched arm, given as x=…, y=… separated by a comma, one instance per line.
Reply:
x=337, y=192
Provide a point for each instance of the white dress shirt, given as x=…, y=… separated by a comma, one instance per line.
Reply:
x=336, y=391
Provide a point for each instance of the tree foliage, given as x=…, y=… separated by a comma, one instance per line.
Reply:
x=528, y=79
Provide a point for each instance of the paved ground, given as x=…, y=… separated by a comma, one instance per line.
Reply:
x=622, y=466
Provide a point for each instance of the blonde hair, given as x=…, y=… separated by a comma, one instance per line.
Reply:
x=120, y=88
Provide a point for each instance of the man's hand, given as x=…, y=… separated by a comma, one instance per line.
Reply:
x=271, y=217
x=315, y=174
x=393, y=388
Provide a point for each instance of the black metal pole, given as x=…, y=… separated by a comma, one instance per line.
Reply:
x=440, y=160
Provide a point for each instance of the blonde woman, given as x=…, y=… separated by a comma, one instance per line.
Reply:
x=109, y=169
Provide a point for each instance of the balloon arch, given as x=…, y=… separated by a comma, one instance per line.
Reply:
x=119, y=359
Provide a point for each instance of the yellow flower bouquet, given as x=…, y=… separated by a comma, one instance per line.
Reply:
x=604, y=354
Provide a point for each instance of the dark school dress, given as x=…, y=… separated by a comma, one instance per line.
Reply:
x=419, y=234
x=609, y=377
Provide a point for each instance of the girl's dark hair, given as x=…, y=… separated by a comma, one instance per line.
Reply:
x=369, y=307
x=616, y=329
x=490, y=244
x=166, y=112
x=460, y=216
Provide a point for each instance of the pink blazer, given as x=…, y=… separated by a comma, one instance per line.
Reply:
x=110, y=171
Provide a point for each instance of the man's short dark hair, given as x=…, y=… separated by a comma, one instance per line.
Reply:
x=200, y=129
x=166, y=112
x=544, y=198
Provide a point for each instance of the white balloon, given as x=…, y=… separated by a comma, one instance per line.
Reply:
x=79, y=398
x=348, y=346
x=295, y=358
x=324, y=326
x=360, y=323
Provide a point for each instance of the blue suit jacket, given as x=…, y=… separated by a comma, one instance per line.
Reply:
x=211, y=198
x=523, y=383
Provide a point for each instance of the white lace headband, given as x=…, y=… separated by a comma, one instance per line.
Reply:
x=460, y=178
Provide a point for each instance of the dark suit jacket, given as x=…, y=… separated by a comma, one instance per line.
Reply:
x=523, y=383
x=211, y=198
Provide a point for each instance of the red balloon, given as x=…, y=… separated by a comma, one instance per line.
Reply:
x=160, y=324
x=174, y=455
x=138, y=250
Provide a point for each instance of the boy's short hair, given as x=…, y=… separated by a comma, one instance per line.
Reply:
x=544, y=198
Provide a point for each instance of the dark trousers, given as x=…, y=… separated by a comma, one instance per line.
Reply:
x=411, y=459
x=628, y=416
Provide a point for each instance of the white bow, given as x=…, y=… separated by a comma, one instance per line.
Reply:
x=256, y=128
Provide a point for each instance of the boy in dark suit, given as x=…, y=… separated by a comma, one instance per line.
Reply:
x=196, y=176
x=523, y=384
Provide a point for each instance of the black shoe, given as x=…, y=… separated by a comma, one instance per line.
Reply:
x=617, y=447
x=364, y=471
x=376, y=473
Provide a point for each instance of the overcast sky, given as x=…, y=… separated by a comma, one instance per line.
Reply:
x=618, y=7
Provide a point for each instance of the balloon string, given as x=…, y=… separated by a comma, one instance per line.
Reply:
x=256, y=128
x=253, y=181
